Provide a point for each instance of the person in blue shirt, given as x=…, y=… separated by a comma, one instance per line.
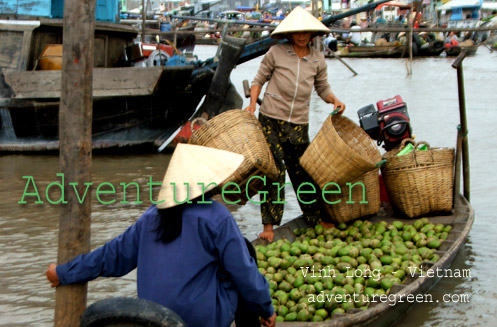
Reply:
x=190, y=254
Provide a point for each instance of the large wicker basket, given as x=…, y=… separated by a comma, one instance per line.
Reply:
x=418, y=158
x=354, y=201
x=420, y=182
x=239, y=131
x=341, y=152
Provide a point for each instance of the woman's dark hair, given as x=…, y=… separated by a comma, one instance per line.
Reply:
x=171, y=219
x=171, y=223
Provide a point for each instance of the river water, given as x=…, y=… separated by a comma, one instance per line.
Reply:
x=28, y=232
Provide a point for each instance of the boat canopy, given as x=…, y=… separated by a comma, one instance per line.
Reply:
x=399, y=4
x=459, y=8
x=463, y=4
x=245, y=8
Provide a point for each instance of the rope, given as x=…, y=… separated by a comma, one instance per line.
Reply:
x=173, y=45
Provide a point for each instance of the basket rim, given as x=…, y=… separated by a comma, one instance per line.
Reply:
x=356, y=128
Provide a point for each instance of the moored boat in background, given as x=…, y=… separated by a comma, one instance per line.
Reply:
x=135, y=100
x=455, y=50
x=140, y=96
x=382, y=51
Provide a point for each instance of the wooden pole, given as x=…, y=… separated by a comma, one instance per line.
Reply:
x=75, y=117
x=464, y=124
x=417, y=5
x=315, y=13
x=144, y=19
x=343, y=62
x=409, y=41
x=457, y=168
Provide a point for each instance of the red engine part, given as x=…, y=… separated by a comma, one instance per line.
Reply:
x=148, y=48
x=390, y=104
x=393, y=120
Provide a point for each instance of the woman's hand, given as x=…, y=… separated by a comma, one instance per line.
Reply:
x=52, y=275
x=251, y=108
x=255, y=90
x=270, y=322
x=339, y=105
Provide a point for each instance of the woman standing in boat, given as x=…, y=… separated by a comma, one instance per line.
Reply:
x=291, y=69
x=191, y=256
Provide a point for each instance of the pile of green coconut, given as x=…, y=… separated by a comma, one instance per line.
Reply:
x=330, y=271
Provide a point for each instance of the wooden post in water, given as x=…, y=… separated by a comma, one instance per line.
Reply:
x=409, y=42
x=144, y=19
x=464, y=124
x=315, y=13
x=417, y=5
x=75, y=118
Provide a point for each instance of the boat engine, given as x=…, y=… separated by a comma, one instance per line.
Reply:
x=388, y=123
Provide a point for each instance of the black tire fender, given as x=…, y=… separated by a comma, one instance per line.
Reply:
x=415, y=49
x=415, y=38
x=129, y=312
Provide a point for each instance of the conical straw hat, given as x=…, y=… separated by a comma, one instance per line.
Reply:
x=299, y=20
x=192, y=165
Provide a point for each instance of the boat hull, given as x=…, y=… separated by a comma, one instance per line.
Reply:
x=454, y=51
x=131, y=106
x=386, y=313
x=371, y=52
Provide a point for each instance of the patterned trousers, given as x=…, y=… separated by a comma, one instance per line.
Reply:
x=287, y=142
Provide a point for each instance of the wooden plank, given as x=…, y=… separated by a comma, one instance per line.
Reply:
x=107, y=82
x=99, y=26
x=11, y=49
x=15, y=38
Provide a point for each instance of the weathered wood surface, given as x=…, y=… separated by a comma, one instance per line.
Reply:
x=23, y=41
x=386, y=313
x=15, y=39
x=75, y=130
x=107, y=82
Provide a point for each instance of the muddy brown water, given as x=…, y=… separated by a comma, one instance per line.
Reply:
x=28, y=232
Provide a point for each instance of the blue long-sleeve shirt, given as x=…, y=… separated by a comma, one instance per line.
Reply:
x=183, y=275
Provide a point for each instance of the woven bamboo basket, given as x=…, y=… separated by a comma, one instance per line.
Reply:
x=239, y=131
x=416, y=158
x=341, y=151
x=420, y=182
x=355, y=201
x=417, y=191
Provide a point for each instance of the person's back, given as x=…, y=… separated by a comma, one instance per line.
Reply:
x=355, y=35
x=192, y=257
x=190, y=271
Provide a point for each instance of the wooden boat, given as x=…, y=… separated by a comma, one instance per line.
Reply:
x=416, y=285
x=133, y=106
x=383, y=314
x=457, y=49
x=383, y=51
x=207, y=41
x=434, y=48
